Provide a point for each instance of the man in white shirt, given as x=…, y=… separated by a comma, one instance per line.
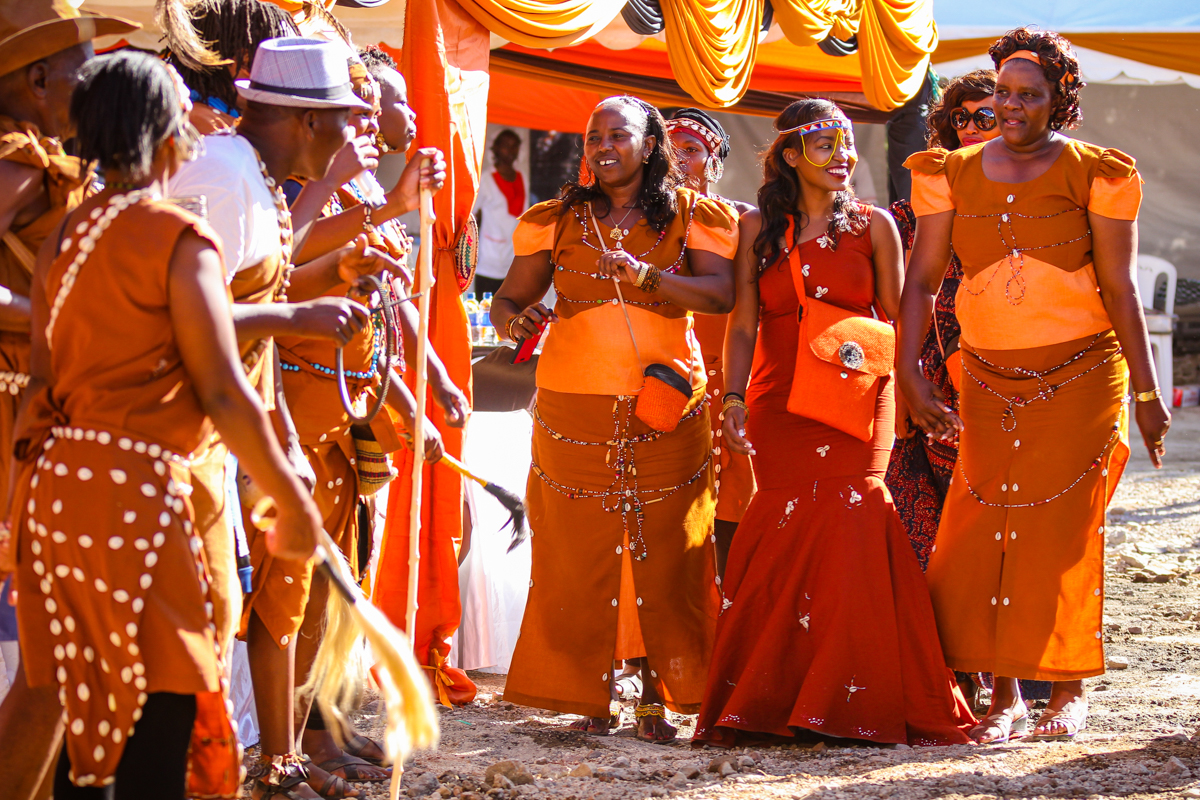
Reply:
x=503, y=198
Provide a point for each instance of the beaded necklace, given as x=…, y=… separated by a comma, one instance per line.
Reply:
x=1016, y=254
x=101, y=218
x=623, y=495
x=283, y=215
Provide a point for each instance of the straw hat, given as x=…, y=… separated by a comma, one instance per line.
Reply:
x=31, y=30
x=301, y=73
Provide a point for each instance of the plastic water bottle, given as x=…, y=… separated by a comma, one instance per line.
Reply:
x=487, y=330
x=472, y=307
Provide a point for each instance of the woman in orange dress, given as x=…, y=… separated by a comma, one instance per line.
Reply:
x=1052, y=333
x=701, y=146
x=114, y=590
x=622, y=512
x=826, y=626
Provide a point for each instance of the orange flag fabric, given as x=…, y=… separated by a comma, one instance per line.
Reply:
x=445, y=62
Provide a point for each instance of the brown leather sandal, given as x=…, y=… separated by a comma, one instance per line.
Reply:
x=278, y=776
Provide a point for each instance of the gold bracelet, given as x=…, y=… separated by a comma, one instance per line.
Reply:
x=508, y=328
x=1146, y=397
x=643, y=271
x=733, y=401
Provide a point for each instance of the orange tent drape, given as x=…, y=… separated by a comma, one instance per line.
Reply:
x=712, y=45
x=1175, y=51
x=445, y=61
x=543, y=23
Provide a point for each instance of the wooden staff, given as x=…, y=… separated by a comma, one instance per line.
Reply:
x=425, y=282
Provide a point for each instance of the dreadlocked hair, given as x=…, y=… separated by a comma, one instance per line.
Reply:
x=661, y=177
x=780, y=192
x=1059, y=65
x=230, y=31
x=969, y=88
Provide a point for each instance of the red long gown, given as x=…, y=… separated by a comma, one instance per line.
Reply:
x=828, y=625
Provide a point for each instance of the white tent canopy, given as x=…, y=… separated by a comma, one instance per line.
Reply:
x=1121, y=21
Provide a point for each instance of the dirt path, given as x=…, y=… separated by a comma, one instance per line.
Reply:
x=1137, y=743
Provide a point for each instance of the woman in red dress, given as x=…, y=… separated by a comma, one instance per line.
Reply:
x=827, y=625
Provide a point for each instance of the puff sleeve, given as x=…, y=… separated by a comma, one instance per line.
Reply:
x=535, y=229
x=930, y=186
x=1116, y=189
x=714, y=228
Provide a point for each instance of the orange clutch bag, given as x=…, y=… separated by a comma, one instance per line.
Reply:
x=842, y=356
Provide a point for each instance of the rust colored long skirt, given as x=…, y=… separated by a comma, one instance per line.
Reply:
x=585, y=585
x=1017, y=576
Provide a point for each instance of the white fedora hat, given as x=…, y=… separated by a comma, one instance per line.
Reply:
x=301, y=73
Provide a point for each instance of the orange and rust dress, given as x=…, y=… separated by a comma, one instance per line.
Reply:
x=66, y=181
x=622, y=514
x=1017, y=575
x=113, y=586
x=261, y=283
x=735, y=477
x=281, y=587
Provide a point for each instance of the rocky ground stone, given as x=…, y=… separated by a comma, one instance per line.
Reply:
x=1137, y=744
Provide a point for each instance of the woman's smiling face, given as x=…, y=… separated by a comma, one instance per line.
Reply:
x=828, y=159
x=615, y=147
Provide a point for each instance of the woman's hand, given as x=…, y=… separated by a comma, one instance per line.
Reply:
x=1153, y=420
x=296, y=532
x=451, y=400
x=407, y=194
x=530, y=322
x=619, y=264
x=927, y=407
x=337, y=319
x=734, y=427
x=433, y=441
x=358, y=259
x=904, y=426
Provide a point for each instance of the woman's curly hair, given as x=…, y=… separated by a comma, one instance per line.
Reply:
x=661, y=177
x=969, y=88
x=780, y=191
x=1059, y=65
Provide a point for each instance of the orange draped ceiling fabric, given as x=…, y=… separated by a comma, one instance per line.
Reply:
x=895, y=39
x=543, y=23
x=712, y=45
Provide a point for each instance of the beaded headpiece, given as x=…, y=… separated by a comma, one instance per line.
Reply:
x=710, y=138
x=818, y=125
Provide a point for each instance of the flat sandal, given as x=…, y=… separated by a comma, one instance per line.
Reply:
x=1073, y=716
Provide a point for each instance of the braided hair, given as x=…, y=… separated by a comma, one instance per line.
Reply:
x=1059, y=65
x=780, y=192
x=376, y=60
x=660, y=174
x=230, y=29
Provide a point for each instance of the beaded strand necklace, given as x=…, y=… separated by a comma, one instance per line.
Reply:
x=283, y=215
x=1016, y=254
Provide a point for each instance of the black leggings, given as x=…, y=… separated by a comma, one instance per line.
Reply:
x=154, y=763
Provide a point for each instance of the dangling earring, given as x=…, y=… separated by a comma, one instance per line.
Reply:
x=381, y=144
x=714, y=169
x=586, y=177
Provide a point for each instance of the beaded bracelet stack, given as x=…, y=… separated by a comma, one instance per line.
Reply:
x=648, y=279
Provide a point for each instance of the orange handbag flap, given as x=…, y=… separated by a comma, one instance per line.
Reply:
x=848, y=340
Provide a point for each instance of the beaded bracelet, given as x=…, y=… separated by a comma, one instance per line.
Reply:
x=652, y=280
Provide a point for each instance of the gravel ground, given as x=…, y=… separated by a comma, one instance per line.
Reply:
x=1138, y=743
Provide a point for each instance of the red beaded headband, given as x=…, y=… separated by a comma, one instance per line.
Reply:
x=710, y=138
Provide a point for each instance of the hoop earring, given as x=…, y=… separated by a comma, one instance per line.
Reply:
x=586, y=176
x=714, y=169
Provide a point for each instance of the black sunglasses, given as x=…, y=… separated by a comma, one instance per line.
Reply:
x=985, y=118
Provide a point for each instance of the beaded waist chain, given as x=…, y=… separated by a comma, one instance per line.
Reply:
x=623, y=495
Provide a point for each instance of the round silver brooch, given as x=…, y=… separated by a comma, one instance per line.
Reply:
x=851, y=355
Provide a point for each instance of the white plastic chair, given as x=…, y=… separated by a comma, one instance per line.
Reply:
x=1152, y=273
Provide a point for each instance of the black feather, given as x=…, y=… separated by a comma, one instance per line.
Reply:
x=516, y=511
